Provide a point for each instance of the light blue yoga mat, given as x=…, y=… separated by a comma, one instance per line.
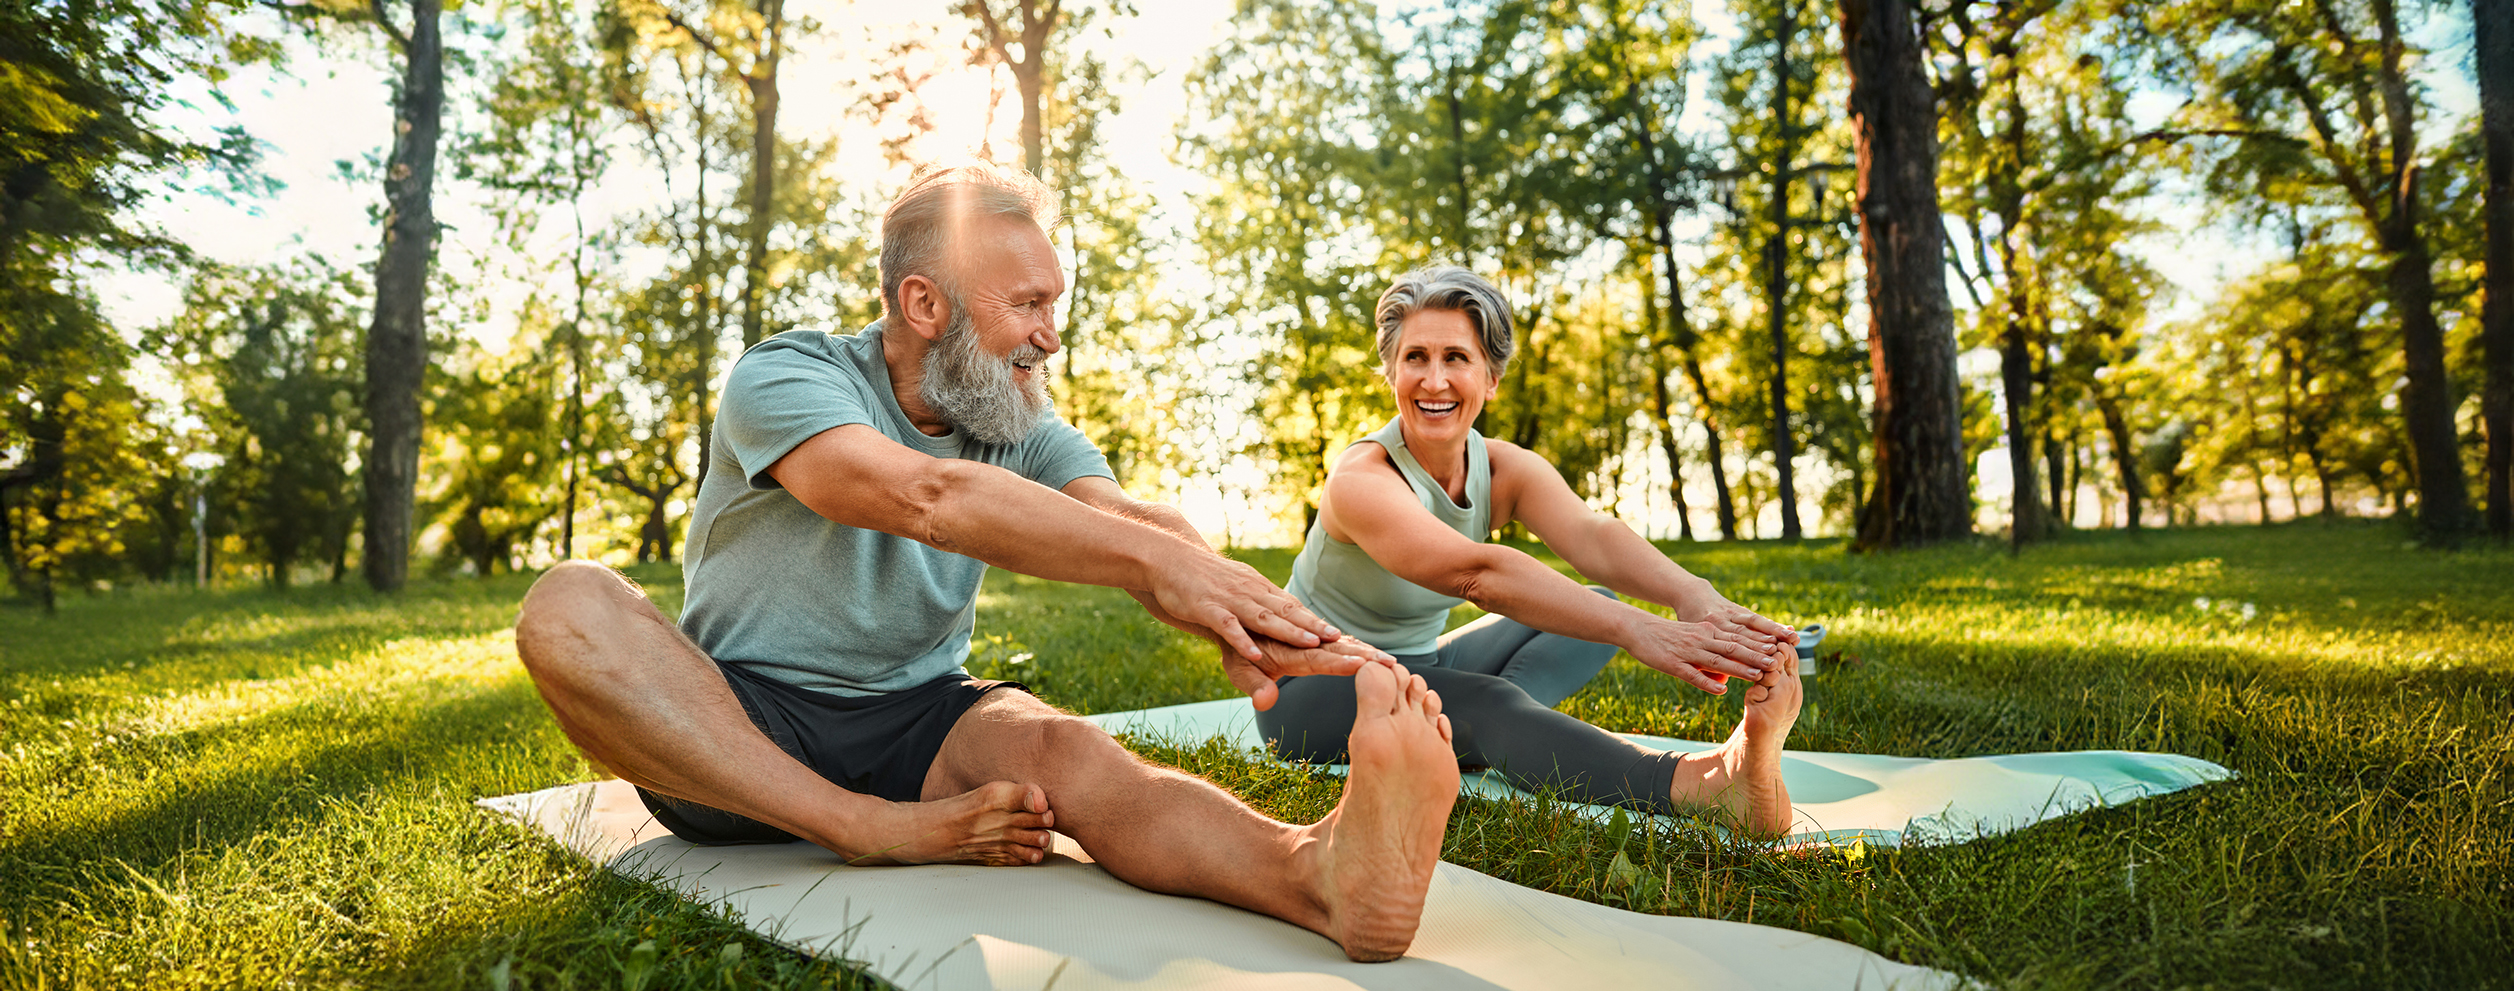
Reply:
x=1839, y=798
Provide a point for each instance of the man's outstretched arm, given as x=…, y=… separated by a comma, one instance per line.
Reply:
x=854, y=475
x=1341, y=657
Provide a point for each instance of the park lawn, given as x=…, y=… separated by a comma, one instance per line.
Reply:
x=249, y=788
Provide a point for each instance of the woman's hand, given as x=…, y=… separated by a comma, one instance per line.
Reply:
x=1707, y=605
x=1704, y=655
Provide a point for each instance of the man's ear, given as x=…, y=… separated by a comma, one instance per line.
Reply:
x=922, y=308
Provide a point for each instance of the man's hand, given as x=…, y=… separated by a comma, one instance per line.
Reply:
x=1236, y=603
x=1000, y=824
x=1342, y=657
x=1704, y=655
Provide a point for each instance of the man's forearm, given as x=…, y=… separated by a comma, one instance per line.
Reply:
x=1019, y=525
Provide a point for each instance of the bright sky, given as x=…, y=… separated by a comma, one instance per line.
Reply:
x=330, y=106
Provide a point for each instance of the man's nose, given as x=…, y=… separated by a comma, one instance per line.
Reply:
x=1045, y=337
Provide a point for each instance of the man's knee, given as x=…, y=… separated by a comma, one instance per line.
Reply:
x=1073, y=738
x=570, y=601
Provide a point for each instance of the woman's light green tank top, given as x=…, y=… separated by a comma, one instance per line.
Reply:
x=1345, y=587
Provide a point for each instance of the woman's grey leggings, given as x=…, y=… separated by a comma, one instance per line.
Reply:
x=1498, y=682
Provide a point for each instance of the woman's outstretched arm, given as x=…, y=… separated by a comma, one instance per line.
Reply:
x=1528, y=489
x=1368, y=504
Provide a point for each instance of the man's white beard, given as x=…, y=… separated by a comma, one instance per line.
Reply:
x=975, y=391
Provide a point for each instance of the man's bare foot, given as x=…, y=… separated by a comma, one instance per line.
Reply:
x=1378, y=848
x=998, y=824
x=1744, y=774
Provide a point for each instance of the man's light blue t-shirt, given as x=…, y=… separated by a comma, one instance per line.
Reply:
x=795, y=596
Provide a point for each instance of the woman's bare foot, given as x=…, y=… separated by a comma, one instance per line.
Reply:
x=1744, y=774
x=1377, y=850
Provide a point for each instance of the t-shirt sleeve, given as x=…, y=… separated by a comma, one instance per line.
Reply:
x=779, y=396
x=1056, y=454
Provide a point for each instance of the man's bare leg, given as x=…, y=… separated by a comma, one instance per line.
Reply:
x=1744, y=774
x=641, y=700
x=1357, y=876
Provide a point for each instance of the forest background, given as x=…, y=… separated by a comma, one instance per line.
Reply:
x=2206, y=261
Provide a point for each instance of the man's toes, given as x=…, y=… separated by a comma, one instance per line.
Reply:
x=1447, y=735
x=1415, y=689
x=1375, y=691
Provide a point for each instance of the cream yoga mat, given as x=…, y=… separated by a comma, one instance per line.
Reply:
x=1066, y=924
x=1839, y=797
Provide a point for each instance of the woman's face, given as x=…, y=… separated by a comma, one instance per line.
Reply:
x=1440, y=376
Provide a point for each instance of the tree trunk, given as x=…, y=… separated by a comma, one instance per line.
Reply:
x=1038, y=21
x=2125, y=455
x=2492, y=23
x=397, y=342
x=1727, y=503
x=2056, y=477
x=762, y=80
x=2427, y=399
x=1680, y=333
x=1920, y=494
x=705, y=335
x=2018, y=339
x=1659, y=406
x=1776, y=274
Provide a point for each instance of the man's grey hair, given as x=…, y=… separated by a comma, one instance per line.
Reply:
x=1448, y=287
x=924, y=226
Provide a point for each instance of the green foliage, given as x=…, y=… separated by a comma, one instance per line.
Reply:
x=81, y=453
x=270, y=361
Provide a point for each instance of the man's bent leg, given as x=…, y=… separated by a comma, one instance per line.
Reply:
x=642, y=701
x=1357, y=876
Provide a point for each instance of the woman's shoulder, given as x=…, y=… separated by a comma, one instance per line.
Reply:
x=1506, y=456
x=1362, y=453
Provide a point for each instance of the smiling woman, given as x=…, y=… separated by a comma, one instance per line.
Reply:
x=1403, y=535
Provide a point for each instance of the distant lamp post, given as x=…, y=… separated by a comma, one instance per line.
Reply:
x=201, y=463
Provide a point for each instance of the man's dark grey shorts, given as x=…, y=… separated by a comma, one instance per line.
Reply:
x=878, y=745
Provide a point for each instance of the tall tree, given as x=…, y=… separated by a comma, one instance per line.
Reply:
x=1995, y=129
x=1029, y=24
x=749, y=42
x=2492, y=23
x=1281, y=100
x=271, y=358
x=80, y=140
x=2320, y=93
x=1784, y=168
x=1643, y=55
x=545, y=147
x=1919, y=495
x=397, y=341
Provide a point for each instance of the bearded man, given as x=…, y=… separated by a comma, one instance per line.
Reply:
x=814, y=688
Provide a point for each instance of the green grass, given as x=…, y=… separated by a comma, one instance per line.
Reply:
x=242, y=788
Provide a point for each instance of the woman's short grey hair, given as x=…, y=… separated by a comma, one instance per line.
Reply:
x=1448, y=287
x=923, y=226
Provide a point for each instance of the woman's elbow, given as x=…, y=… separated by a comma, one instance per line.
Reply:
x=1474, y=580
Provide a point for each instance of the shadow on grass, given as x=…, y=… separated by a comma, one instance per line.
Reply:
x=257, y=788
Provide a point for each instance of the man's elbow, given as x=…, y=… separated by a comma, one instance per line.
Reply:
x=935, y=499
